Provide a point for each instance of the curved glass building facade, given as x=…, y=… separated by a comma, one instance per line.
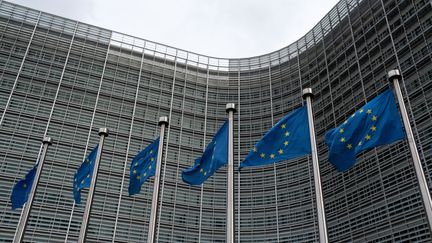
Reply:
x=66, y=79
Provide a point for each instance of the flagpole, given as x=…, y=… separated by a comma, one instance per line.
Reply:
x=308, y=95
x=163, y=123
x=103, y=132
x=28, y=206
x=394, y=76
x=230, y=109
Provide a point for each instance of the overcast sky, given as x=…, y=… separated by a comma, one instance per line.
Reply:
x=218, y=28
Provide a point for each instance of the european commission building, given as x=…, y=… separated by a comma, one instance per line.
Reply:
x=65, y=79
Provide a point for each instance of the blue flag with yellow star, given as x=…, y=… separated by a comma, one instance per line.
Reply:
x=376, y=123
x=22, y=189
x=214, y=157
x=84, y=174
x=142, y=167
x=288, y=139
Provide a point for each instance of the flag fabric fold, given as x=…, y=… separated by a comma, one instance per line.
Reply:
x=214, y=157
x=288, y=139
x=143, y=166
x=82, y=177
x=376, y=123
x=22, y=189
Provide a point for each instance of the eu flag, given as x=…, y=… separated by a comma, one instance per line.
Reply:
x=84, y=174
x=142, y=167
x=214, y=157
x=22, y=189
x=376, y=123
x=288, y=139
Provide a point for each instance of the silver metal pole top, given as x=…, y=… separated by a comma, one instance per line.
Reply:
x=163, y=120
x=103, y=131
x=307, y=92
x=392, y=74
x=47, y=140
x=230, y=106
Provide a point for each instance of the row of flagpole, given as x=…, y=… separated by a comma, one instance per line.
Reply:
x=230, y=109
x=394, y=76
x=307, y=94
x=28, y=206
x=103, y=132
x=163, y=123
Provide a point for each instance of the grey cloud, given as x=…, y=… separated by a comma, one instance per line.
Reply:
x=81, y=10
x=222, y=28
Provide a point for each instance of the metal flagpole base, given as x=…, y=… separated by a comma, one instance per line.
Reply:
x=103, y=131
x=230, y=106
x=392, y=74
x=47, y=140
x=307, y=92
x=163, y=120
